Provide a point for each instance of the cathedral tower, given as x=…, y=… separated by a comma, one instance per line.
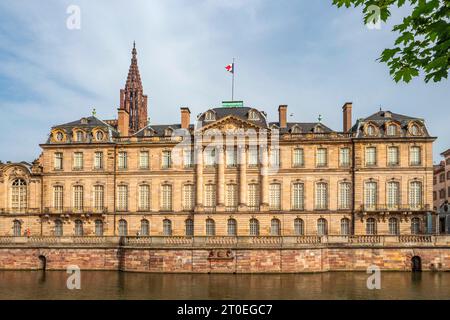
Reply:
x=133, y=102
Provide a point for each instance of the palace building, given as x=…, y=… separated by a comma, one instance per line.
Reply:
x=127, y=176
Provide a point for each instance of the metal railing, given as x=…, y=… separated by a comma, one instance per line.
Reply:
x=72, y=210
x=395, y=207
x=20, y=210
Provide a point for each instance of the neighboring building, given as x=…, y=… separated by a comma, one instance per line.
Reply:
x=127, y=176
x=441, y=192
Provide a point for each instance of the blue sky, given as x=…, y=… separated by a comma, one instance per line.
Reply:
x=307, y=54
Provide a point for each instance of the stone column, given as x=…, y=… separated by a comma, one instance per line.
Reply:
x=242, y=178
x=199, y=178
x=264, y=178
x=220, y=179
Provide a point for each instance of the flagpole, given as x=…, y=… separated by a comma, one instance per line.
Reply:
x=232, y=83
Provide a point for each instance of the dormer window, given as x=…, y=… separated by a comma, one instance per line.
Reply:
x=168, y=132
x=148, y=133
x=370, y=130
x=253, y=115
x=79, y=136
x=99, y=135
x=415, y=131
x=210, y=116
x=59, y=136
x=318, y=129
x=392, y=130
x=387, y=114
x=84, y=121
x=296, y=129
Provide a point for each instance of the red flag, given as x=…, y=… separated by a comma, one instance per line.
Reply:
x=230, y=68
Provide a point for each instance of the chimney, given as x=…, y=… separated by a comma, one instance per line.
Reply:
x=185, y=118
x=282, y=116
x=347, y=116
x=123, y=123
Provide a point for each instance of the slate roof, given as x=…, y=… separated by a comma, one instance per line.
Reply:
x=86, y=123
x=238, y=112
x=381, y=117
x=306, y=127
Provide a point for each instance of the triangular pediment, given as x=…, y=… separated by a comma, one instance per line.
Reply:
x=229, y=123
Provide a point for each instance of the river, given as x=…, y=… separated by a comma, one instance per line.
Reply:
x=125, y=285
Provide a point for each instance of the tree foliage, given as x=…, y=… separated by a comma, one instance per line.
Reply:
x=423, y=44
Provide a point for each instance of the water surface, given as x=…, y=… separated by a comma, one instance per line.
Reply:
x=125, y=285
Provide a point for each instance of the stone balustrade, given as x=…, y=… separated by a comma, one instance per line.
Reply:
x=231, y=242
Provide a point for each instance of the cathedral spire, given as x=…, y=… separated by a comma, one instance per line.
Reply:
x=132, y=98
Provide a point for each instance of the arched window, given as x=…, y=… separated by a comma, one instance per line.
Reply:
x=393, y=226
x=296, y=129
x=17, y=228
x=123, y=228
x=99, y=228
x=167, y=227
x=415, y=226
x=254, y=227
x=59, y=228
x=189, y=224
x=322, y=227
x=321, y=196
x=232, y=227
x=275, y=227
x=78, y=228
x=99, y=135
x=371, y=226
x=19, y=195
x=210, y=227
x=299, y=227
x=345, y=227
x=253, y=115
x=145, y=228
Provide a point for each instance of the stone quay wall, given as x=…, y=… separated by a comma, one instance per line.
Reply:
x=226, y=255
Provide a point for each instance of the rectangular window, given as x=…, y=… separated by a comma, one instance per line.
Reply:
x=231, y=197
x=210, y=196
x=210, y=157
x=253, y=156
x=166, y=159
x=344, y=195
x=370, y=195
x=78, y=160
x=78, y=197
x=275, y=196
x=99, y=198
x=58, y=161
x=393, y=158
x=253, y=197
x=144, y=160
x=58, y=197
x=415, y=157
x=231, y=157
x=98, y=160
x=321, y=196
x=393, y=193
x=415, y=195
x=298, y=158
x=188, y=197
x=122, y=198
x=298, y=201
x=123, y=160
x=344, y=157
x=144, y=197
x=371, y=156
x=188, y=158
x=166, y=203
x=321, y=157
x=275, y=157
